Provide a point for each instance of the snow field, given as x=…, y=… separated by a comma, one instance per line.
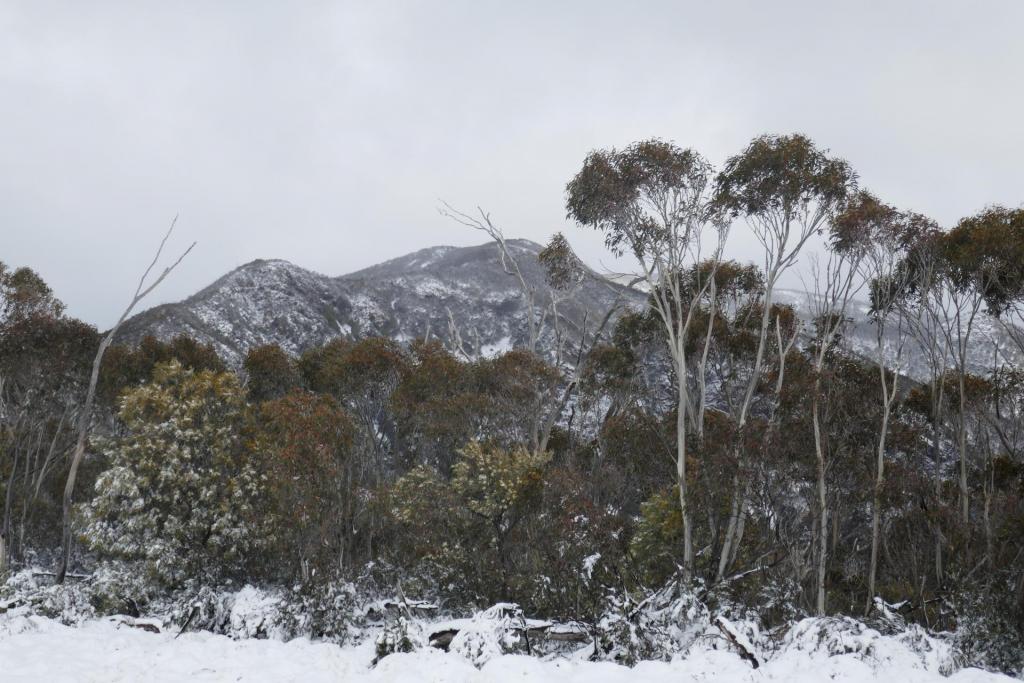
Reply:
x=36, y=649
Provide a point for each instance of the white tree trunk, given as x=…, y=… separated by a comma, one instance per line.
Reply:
x=819, y=449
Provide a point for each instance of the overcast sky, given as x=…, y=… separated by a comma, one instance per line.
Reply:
x=325, y=132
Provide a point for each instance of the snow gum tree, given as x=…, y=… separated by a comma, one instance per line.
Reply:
x=885, y=237
x=181, y=494
x=270, y=373
x=652, y=201
x=981, y=259
x=787, y=190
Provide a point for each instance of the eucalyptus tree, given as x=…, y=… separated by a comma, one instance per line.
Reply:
x=787, y=190
x=993, y=253
x=886, y=236
x=42, y=353
x=921, y=310
x=653, y=202
x=980, y=263
x=833, y=286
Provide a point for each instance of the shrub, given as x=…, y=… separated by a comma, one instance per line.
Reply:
x=181, y=494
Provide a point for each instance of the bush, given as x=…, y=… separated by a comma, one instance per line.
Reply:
x=463, y=529
x=181, y=494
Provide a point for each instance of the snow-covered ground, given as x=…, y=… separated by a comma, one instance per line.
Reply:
x=38, y=649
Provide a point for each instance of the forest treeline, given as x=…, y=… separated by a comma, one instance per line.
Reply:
x=710, y=439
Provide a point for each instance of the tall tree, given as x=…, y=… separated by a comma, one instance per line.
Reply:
x=834, y=286
x=886, y=237
x=787, y=190
x=652, y=201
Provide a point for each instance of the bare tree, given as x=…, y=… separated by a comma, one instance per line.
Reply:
x=85, y=417
x=564, y=274
x=536, y=312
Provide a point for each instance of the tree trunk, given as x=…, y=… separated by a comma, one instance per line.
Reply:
x=86, y=416
x=730, y=529
x=681, y=474
x=5, y=524
x=965, y=514
x=876, y=501
x=936, y=407
x=76, y=460
x=876, y=506
x=822, y=506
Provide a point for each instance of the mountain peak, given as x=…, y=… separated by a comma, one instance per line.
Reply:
x=274, y=301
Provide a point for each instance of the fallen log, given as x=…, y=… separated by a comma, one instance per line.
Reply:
x=442, y=635
x=744, y=647
x=150, y=625
x=13, y=603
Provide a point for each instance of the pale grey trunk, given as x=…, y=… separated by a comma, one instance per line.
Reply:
x=876, y=511
x=5, y=524
x=86, y=415
x=965, y=512
x=822, y=505
x=937, y=398
x=681, y=472
x=730, y=530
x=876, y=502
x=739, y=503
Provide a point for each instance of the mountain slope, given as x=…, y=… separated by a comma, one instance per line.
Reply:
x=277, y=302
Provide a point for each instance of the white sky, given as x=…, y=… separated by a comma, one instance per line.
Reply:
x=325, y=132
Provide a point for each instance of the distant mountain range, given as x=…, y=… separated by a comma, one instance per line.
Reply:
x=428, y=292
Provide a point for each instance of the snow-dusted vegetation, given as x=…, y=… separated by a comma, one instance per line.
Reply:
x=254, y=635
x=691, y=479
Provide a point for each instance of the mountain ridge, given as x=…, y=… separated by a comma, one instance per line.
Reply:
x=432, y=291
x=276, y=301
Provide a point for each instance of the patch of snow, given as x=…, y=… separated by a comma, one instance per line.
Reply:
x=589, y=563
x=502, y=346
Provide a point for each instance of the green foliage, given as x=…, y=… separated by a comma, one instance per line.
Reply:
x=181, y=494
x=125, y=367
x=640, y=197
x=270, y=373
x=438, y=406
x=986, y=252
x=658, y=538
x=783, y=175
x=305, y=442
x=563, y=269
x=24, y=294
x=492, y=482
x=463, y=525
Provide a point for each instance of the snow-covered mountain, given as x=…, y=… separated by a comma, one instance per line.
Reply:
x=273, y=301
x=278, y=302
x=989, y=343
